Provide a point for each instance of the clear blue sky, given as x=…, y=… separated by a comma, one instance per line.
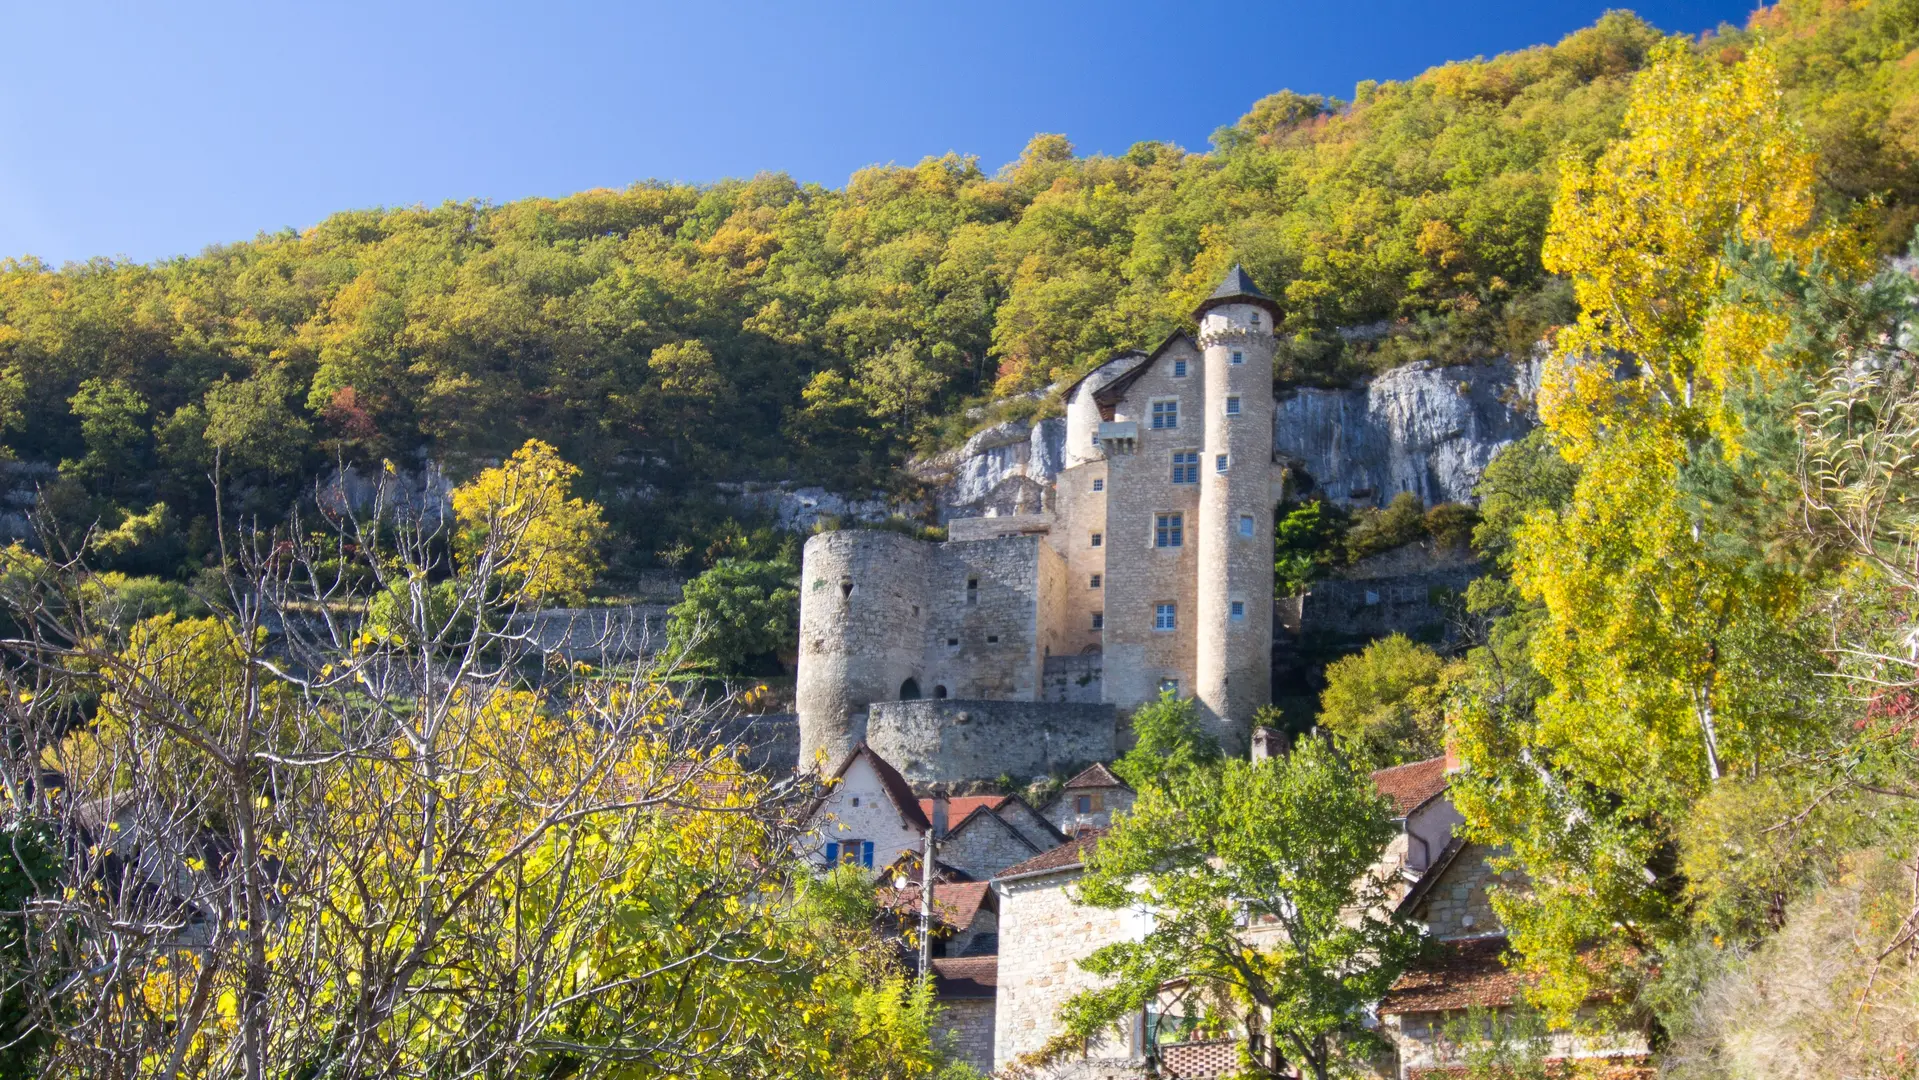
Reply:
x=147, y=130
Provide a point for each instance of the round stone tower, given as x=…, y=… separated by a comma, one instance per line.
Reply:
x=1233, y=669
x=1082, y=411
x=862, y=634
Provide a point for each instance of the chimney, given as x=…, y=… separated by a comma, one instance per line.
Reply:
x=1454, y=762
x=939, y=816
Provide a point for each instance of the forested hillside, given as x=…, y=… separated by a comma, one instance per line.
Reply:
x=664, y=336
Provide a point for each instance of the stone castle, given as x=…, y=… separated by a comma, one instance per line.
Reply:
x=1013, y=645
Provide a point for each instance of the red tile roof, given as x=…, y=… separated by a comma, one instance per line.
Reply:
x=1064, y=857
x=1411, y=784
x=1096, y=776
x=965, y=976
x=957, y=809
x=1458, y=975
x=955, y=903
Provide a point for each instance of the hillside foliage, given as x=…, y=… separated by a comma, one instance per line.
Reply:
x=663, y=336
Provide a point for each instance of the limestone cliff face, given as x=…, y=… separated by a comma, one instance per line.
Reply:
x=1425, y=428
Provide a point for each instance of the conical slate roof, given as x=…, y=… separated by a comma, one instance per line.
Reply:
x=1238, y=288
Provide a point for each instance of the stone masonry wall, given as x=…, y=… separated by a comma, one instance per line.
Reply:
x=960, y=739
x=1139, y=575
x=981, y=642
x=968, y=1022
x=1459, y=905
x=1073, y=678
x=985, y=847
x=1043, y=935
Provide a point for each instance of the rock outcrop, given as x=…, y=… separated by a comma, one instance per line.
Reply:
x=1425, y=428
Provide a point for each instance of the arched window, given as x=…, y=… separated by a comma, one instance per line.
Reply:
x=939, y=690
x=909, y=690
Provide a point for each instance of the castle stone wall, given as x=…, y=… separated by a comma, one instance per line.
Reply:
x=1140, y=575
x=1074, y=678
x=952, y=739
x=982, y=642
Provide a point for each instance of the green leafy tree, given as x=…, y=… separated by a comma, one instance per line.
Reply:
x=249, y=424
x=1386, y=704
x=736, y=616
x=1169, y=740
x=113, y=421
x=1261, y=880
x=30, y=867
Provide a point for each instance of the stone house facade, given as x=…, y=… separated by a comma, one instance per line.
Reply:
x=1154, y=555
x=870, y=816
x=1089, y=801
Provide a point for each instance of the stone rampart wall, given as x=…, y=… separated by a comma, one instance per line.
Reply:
x=959, y=739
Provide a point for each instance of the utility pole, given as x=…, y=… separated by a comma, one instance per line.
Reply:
x=928, y=855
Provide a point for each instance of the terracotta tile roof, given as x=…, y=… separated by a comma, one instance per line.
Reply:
x=1457, y=975
x=958, y=809
x=1411, y=784
x=965, y=976
x=1064, y=857
x=1095, y=776
x=1429, y=879
x=897, y=789
x=955, y=904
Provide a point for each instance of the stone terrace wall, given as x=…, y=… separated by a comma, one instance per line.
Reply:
x=958, y=739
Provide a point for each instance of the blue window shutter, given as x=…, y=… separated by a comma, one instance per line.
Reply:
x=832, y=853
x=866, y=854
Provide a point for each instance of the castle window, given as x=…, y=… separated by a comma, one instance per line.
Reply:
x=1238, y=357
x=1239, y=611
x=910, y=690
x=1097, y=538
x=1165, y=617
x=856, y=800
x=972, y=591
x=846, y=587
x=1255, y=318
x=1165, y=415
x=939, y=690
x=1169, y=686
x=1094, y=584
x=1219, y=463
x=952, y=643
x=1169, y=530
x=1245, y=524
x=1186, y=467
x=992, y=639
x=1179, y=369
x=1232, y=405
x=1099, y=620
x=1099, y=485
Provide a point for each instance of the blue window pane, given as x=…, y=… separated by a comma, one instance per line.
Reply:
x=832, y=853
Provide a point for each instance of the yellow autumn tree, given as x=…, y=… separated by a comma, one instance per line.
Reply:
x=519, y=520
x=1667, y=659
